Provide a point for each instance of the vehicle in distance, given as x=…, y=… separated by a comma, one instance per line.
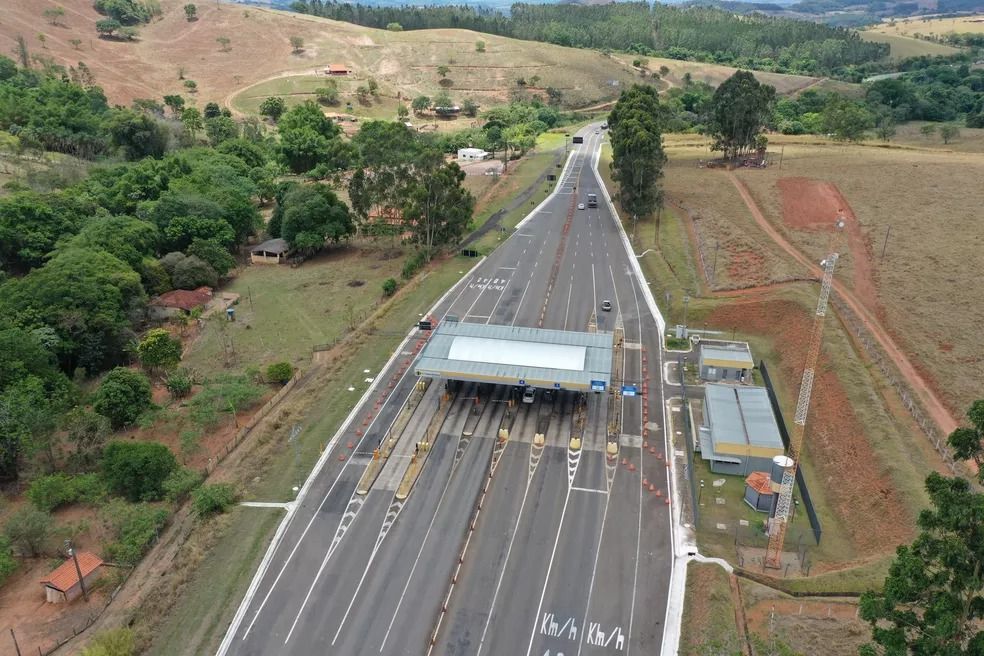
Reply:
x=529, y=394
x=592, y=200
x=580, y=206
x=606, y=306
x=604, y=126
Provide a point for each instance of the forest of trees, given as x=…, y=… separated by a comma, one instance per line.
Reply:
x=163, y=197
x=698, y=33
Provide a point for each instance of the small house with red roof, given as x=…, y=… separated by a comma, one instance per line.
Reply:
x=63, y=584
x=758, y=491
x=180, y=302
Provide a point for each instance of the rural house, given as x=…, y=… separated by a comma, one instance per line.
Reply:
x=739, y=433
x=472, y=154
x=337, y=69
x=272, y=251
x=63, y=583
x=179, y=302
x=725, y=361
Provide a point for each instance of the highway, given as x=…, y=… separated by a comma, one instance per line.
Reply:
x=565, y=551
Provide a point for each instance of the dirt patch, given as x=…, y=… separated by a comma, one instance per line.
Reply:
x=747, y=266
x=356, y=283
x=860, y=492
x=828, y=627
x=814, y=205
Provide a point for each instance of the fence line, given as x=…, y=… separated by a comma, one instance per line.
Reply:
x=257, y=417
x=887, y=368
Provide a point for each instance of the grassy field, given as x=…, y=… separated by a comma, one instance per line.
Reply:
x=906, y=46
x=708, y=613
x=283, y=312
x=931, y=207
x=931, y=26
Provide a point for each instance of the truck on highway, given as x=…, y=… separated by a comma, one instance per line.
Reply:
x=592, y=200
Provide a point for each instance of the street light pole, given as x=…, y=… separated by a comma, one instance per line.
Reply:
x=700, y=493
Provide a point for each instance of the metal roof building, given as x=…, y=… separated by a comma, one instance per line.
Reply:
x=725, y=360
x=516, y=355
x=740, y=434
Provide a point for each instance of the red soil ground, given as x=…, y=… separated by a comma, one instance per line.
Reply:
x=918, y=381
x=814, y=205
x=859, y=492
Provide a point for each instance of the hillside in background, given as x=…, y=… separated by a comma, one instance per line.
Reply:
x=404, y=64
x=847, y=13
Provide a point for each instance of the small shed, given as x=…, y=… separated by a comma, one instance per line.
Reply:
x=63, y=584
x=725, y=361
x=179, y=302
x=337, y=69
x=472, y=154
x=272, y=251
x=758, y=491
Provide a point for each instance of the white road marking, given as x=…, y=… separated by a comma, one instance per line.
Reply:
x=553, y=554
x=505, y=562
x=591, y=489
x=569, y=292
x=416, y=561
x=594, y=568
x=515, y=316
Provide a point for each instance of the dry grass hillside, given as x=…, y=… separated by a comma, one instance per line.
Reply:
x=931, y=26
x=259, y=52
x=907, y=46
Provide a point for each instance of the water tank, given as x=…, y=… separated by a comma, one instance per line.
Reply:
x=779, y=465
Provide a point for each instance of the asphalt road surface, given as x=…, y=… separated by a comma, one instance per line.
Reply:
x=566, y=551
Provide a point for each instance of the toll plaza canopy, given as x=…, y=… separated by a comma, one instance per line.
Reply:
x=515, y=355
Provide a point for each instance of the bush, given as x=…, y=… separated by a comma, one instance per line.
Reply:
x=117, y=642
x=180, y=483
x=159, y=350
x=123, y=395
x=28, y=530
x=8, y=564
x=178, y=383
x=50, y=492
x=224, y=394
x=137, y=470
x=211, y=499
x=279, y=372
x=413, y=264
x=134, y=528
x=389, y=286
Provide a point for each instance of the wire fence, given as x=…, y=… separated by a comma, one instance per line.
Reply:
x=887, y=368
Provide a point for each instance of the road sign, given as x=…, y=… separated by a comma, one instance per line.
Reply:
x=629, y=390
x=598, y=385
x=556, y=385
x=522, y=382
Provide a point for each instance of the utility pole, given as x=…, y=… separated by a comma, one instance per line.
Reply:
x=14, y=638
x=888, y=231
x=78, y=570
x=782, y=149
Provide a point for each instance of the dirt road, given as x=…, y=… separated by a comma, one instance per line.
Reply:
x=937, y=411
